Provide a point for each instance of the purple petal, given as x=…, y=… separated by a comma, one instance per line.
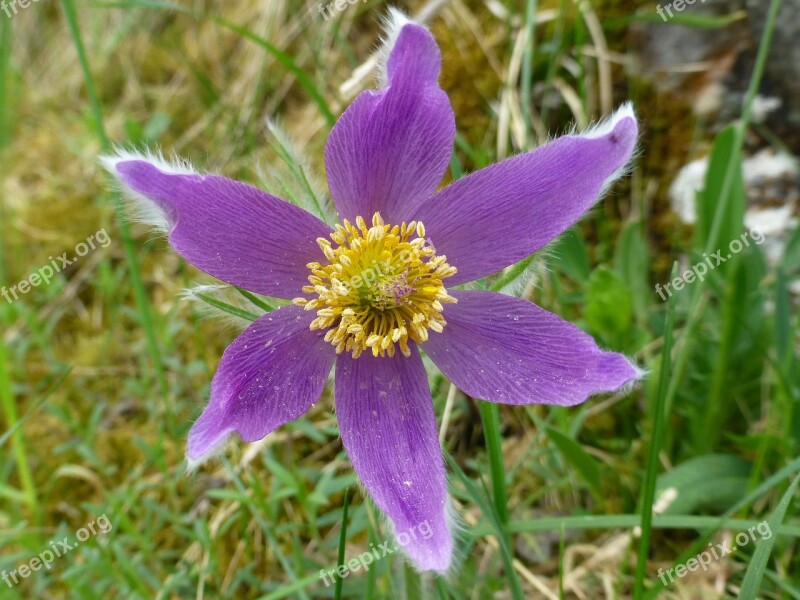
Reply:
x=390, y=148
x=388, y=428
x=230, y=230
x=505, y=212
x=270, y=375
x=504, y=349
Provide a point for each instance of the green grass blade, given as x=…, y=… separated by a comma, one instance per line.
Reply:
x=279, y=145
x=728, y=181
x=792, y=591
x=291, y=589
x=283, y=58
x=139, y=292
x=228, y=308
x=342, y=542
x=725, y=521
x=260, y=303
x=413, y=582
x=62, y=376
x=628, y=521
x=656, y=441
x=581, y=461
x=5, y=51
x=495, y=527
x=12, y=418
x=758, y=565
x=696, y=21
x=526, y=77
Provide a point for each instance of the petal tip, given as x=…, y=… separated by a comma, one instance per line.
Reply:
x=434, y=553
x=619, y=135
x=408, y=49
x=623, y=370
x=621, y=127
x=200, y=451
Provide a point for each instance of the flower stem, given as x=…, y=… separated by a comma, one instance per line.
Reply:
x=490, y=415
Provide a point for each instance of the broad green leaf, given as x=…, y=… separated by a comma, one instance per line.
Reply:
x=712, y=482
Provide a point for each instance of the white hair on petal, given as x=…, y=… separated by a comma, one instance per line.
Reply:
x=213, y=452
x=140, y=208
x=392, y=23
x=174, y=166
x=456, y=527
x=640, y=375
x=606, y=126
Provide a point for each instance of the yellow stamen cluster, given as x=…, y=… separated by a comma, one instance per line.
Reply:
x=379, y=288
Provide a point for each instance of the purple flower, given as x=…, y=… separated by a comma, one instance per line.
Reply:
x=369, y=294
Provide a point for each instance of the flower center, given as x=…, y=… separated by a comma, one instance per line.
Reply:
x=379, y=288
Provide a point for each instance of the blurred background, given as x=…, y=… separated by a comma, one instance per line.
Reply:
x=106, y=361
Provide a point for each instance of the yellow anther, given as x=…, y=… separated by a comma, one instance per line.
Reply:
x=381, y=287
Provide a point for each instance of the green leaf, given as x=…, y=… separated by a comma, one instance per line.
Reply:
x=632, y=264
x=585, y=464
x=724, y=153
x=512, y=274
x=608, y=303
x=712, y=482
x=791, y=255
x=572, y=257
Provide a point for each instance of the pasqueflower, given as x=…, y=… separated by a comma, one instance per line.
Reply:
x=371, y=293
